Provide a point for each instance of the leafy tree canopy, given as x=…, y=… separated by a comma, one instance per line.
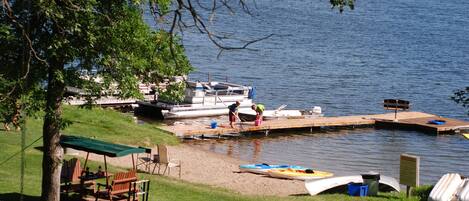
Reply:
x=90, y=39
x=47, y=45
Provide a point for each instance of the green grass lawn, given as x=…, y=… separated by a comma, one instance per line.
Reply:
x=109, y=125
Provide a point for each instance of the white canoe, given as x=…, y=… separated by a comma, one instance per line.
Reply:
x=446, y=187
x=315, y=187
x=463, y=194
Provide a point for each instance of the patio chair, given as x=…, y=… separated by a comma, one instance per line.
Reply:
x=71, y=170
x=120, y=186
x=70, y=177
x=145, y=160
x=164, y=160
x=139, y=190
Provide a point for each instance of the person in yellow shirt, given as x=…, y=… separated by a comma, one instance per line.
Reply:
x=259, y=108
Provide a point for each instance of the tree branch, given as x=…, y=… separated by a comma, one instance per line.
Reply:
x=12, y=17
x=200, y=24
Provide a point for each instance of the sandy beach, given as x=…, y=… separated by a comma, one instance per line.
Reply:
x=200, y=166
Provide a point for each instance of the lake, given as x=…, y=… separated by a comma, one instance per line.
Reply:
x=347, y=64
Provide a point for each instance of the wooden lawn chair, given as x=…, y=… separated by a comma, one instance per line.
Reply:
x=164, y=160
x=70, y=177
x=120, y=186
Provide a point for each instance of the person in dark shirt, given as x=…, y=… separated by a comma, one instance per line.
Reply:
x=233, y=112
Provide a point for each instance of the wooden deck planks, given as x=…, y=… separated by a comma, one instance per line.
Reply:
x=411, y=119
x=451, y=125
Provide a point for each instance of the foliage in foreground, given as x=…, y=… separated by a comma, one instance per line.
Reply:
x=422, y=192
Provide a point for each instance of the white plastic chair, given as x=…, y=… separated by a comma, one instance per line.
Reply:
x=164, y=160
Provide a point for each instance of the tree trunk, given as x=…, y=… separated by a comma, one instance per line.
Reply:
x=53, y=152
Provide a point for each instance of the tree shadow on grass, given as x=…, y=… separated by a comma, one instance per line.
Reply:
x=300, y=195
x=16, y=196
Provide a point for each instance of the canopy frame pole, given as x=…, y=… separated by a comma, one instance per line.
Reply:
x=106, y=172
x=133, y=162
x=86, y=161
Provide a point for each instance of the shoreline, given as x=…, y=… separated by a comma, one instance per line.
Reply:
x=217, y=170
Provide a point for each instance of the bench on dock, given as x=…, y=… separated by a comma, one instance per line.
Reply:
x=396, y=104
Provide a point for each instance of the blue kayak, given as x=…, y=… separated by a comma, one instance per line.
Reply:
x=263, y=168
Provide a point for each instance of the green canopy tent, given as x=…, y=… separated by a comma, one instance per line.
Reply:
x=99, y=147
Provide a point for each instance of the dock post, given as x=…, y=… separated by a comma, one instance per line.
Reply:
x=266, y=132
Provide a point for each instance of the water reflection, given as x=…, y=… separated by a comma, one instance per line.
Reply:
x=229, y=151
x=346, y=152
x=257, y=149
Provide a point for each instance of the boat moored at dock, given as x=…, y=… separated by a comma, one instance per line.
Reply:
x=203, y=99
x=280, y=113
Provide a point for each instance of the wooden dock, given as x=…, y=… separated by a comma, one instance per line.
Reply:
x=421, y=124
x=410, y=120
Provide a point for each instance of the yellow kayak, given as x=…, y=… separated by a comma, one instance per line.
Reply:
x=466, y=135
x=299, y=174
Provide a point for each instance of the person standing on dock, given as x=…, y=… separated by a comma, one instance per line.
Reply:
x=259, y=108
x=233, y=112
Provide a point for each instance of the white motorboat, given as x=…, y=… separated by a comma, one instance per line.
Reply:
x=203, y=99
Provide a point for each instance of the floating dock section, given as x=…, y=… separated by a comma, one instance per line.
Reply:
x=408, y=120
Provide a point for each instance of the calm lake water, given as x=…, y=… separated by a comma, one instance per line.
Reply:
x=347, y=64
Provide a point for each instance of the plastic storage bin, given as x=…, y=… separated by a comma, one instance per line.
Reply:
x=437, y=122
x=357, y=189
x=213, y=124
x=257, y=122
